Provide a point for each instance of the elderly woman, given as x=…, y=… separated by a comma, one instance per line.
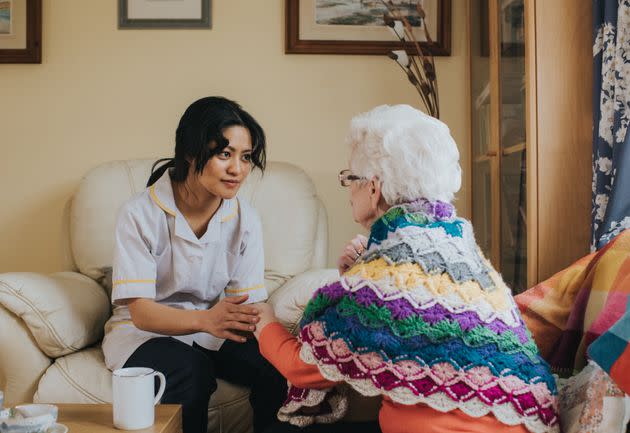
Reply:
x=421, y=317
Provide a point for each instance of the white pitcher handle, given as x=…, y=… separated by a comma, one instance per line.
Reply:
x=162, y=387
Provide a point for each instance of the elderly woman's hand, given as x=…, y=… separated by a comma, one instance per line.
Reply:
x=351, y=253
x=266, y=316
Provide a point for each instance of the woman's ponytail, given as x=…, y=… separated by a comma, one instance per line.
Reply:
x=157, y=173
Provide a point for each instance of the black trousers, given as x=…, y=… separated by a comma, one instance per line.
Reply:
x=339, y=427
x=191, y=373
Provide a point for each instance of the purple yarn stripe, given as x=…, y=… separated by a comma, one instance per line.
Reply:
x=401, y=309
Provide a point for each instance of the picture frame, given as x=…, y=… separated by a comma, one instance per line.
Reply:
x=305, y=33
x=20, y=31
x=164, y=14
x=512, y=27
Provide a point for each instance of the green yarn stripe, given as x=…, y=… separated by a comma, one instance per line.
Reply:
x=374, y=316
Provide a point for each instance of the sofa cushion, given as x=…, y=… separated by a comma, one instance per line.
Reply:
x=21, y=361
x=83, y=378
x=290, y=300
x=80, y=377
x=65, y=311
x=284, y=197
x=286, y=201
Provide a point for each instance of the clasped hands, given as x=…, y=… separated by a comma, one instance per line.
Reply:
x=228, y=318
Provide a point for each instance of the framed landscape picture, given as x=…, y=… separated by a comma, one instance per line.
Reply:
x=357, y=26
x=20, y=31
x=164, y=14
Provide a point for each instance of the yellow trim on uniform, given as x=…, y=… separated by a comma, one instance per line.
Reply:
x=247, y=289
x=232, y=215
x=118, y=282
x=158, y=202
x=121, y=323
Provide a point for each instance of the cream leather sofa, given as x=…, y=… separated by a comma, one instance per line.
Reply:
x=51, y=325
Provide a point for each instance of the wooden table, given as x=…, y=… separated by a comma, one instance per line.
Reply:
x=98, y=418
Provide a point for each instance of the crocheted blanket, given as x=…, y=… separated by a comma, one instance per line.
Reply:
x=578, y=305
x=422, y=317
x=612, y=351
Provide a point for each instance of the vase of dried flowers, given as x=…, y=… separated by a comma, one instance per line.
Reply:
x=416, y=62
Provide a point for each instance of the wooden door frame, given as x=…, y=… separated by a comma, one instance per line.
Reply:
x=494, y=148
x=531, y=137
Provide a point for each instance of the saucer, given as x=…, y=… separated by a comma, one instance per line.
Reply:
x=58, y=428
x=28, y=418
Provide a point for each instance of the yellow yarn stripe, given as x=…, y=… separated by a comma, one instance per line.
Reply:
x=408, y=276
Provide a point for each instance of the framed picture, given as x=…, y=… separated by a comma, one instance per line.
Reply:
x=163, y=14
x=512, y=28
x=357, y=26
x=20, y=31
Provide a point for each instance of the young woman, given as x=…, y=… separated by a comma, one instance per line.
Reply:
x=188, y=263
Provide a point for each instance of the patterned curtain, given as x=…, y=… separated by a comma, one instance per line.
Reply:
x=611, y=115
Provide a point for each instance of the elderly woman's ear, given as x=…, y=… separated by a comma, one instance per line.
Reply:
x=377, y=201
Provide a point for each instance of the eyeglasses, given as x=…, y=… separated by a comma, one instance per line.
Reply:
x=346, y=177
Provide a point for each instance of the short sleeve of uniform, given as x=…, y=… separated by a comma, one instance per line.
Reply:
x=249, y=276
x=134, y=268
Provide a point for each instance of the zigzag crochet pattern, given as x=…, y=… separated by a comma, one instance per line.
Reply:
x=423, y=317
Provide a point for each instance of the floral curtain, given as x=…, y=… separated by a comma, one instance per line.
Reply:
x=611, y=115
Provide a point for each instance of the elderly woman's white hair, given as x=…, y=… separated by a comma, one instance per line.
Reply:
x=411, y=153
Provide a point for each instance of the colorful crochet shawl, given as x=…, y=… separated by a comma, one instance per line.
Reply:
x=422, y=317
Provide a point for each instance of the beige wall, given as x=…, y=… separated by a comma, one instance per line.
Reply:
x=104, y=94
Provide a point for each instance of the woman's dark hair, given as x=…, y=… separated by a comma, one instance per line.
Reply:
x=199, y=137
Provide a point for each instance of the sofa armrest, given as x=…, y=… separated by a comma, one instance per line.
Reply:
x=290, y=299
x=64, y=312
x=22, y=363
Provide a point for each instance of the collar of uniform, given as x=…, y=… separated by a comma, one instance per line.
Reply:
x=161, y=193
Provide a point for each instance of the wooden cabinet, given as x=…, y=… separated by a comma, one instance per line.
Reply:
x=531, y=116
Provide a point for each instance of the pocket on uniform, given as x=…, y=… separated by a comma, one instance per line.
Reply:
x=164, y=264
x=223, y=270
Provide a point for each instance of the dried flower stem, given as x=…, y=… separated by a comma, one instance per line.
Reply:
x=420, y=71
x=421, y=68
x=416, y=79
x=416, y=84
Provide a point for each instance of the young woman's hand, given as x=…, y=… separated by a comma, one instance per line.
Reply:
x=227, y=317
x=266, y=315
x=351, y=253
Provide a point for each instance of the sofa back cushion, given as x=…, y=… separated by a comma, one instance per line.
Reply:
x=293, y=218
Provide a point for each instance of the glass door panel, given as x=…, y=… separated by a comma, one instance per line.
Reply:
x=513, y=144
x=480, y=112
x=482, y=211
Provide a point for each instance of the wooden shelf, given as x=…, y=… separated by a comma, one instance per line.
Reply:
x=483, y=158
x=514, y=149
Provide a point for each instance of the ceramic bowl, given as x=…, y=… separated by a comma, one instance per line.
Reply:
x=29, y=418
